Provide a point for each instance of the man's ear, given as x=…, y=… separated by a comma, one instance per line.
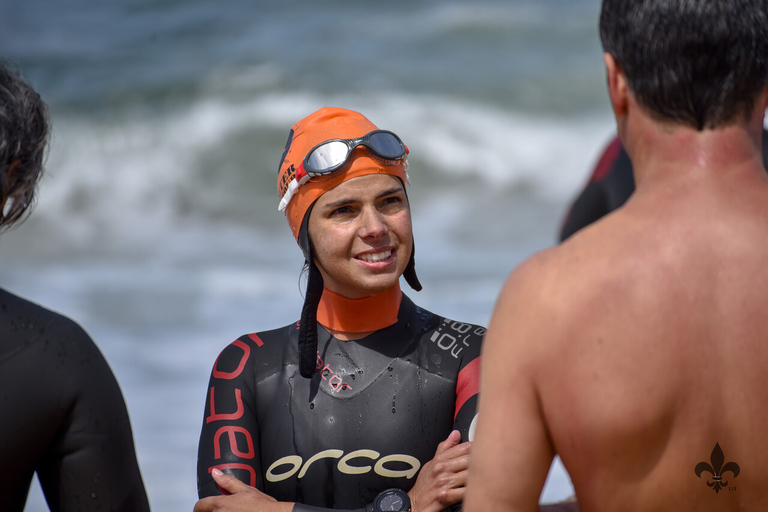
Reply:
x=618, y=90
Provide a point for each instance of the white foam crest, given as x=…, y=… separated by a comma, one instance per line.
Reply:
x=490, y=16
x=463, y=138
x=439, y=18
x=126, y=174
x=124, y=177
x=503, y=148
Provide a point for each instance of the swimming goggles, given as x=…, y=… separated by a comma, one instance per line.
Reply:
x=331, y=155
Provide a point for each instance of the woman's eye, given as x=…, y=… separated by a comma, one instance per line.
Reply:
x=341, y=211
x=392, y=201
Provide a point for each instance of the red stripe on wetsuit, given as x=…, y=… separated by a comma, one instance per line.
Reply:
x=231, y=431
x=606, y=161
x=467, y=384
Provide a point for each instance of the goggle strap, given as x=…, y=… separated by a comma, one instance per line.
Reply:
x=300, y=178
x=292, y=186
x=301, y=174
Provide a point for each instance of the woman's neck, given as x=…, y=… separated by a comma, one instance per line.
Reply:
x=352, y=319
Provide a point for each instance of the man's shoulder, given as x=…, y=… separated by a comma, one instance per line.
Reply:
x=553, y=271
x=535, y=289
x=567, y=283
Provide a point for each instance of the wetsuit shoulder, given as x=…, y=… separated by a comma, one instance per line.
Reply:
x=70, y=423
x=451, y=342
x=609, y=186
x=257, y=354
x=452, y=349
x=25, y=322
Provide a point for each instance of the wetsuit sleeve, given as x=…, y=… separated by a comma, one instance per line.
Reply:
x=468, y=380
x=91, y=465
x=593, y=202
x=467, y=388
x=230, y=433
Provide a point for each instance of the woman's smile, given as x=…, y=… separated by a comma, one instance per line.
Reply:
x=379, y=257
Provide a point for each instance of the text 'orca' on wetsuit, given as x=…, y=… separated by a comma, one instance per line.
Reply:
x=372, y=415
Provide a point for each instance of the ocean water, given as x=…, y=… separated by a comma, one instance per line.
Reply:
x=157, y=225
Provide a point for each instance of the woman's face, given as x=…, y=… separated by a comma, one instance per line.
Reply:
x=362, y=236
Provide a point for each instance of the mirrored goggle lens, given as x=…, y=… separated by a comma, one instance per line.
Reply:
x=386, y=145
x=327, y=157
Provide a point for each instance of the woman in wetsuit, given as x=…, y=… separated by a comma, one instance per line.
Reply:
x=62, y=414
x=367, y=401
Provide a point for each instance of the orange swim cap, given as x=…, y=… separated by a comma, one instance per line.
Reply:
x=326, y=124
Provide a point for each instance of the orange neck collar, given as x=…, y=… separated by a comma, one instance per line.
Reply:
x=369, y=314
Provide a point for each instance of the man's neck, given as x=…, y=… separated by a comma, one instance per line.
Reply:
x=663, y=152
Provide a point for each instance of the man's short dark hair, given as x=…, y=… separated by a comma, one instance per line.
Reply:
x=24, y=129
x=701, y=63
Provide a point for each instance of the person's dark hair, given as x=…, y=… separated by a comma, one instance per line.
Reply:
x=24, y=128
x=701, y=63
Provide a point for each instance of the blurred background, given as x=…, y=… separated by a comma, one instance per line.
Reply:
x=157, y=225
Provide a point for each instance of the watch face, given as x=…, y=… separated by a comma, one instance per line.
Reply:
x=391, y=502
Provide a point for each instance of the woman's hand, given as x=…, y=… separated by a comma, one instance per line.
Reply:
x=441, y=481
x=241, y=498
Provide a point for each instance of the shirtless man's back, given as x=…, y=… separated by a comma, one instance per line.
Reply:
x=637, y=350
x=659, y=350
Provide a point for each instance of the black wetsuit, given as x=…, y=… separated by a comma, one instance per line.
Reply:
x=62, y=416
x=372, y=415
x=609, y=187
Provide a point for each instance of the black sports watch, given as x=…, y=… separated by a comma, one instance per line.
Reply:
x=392, y=500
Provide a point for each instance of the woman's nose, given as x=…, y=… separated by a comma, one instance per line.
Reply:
x=373, y=224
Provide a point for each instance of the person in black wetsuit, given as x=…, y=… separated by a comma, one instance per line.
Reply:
x=368, y=397
x=62, y=412
x=611, y=183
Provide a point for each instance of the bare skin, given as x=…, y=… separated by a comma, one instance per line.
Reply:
x=638, y=346
x=442, y=481
x=240, y=497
